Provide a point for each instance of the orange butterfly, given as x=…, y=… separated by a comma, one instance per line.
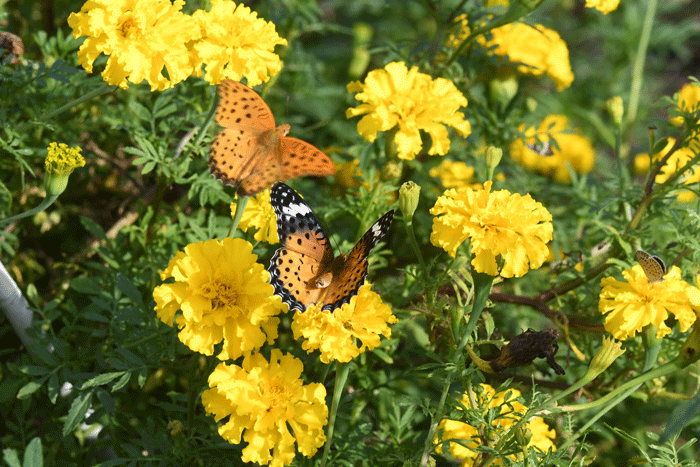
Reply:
x=251, y=152
x=305, y=270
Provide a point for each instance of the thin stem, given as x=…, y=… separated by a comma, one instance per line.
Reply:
x=341, y=376
x=48, y=201
x=207, y=122
x=104, y=89
x=436, y=419
x=639, y=59
x=408, y=222
x=240, y=207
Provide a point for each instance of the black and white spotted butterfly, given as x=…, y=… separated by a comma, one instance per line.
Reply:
x=305, y=270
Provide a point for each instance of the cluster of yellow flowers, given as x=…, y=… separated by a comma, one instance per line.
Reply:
x=144, y=37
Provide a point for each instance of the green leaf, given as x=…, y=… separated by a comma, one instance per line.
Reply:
x=33, y=457
x=11, y=458
x=681, y=416
x=77, y=411
x=129, y=289
x=53, y=387
x=93, y=227
x=140, y=110
x=86, y=285
x=33, y=370
x=102, y=379
x=122, y=382
x=31, y=387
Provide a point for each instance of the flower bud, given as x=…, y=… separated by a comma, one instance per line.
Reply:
x=616, y=109
x=408, y=198
x=604, y=358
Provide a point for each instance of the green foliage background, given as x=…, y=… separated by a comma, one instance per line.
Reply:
x=90, y=263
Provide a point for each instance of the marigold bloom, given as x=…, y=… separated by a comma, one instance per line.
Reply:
x=688, y=101
x=498, y=223
x=334, y=334
x=604, y=6
x=509, y=412
x=574, y=150
x=454, y=174
x=262, y=401
x=260, y=215
x=675, y=162
x=632, y=305
x=413, y=101
x=140, y=37
x=539, y=50
x=60, y=163
x=237, y=44
x=224, y=295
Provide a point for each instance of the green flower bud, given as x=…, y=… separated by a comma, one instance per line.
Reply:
x=408, y=198
x=616, y=109
x=60, y=162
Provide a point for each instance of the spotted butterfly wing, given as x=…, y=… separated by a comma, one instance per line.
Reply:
x=305, y=270
x=250, y=151
x=653, y=266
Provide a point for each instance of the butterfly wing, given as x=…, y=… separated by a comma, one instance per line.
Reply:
x=299, y=158
x=241, y=106
x=351, y=276
x=307, y=252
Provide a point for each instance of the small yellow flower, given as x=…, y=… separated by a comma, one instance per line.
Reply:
x=606, y=355
x=60, y=163
x=454, y=174
x=688, y=101
x=237, y=44
x=538, y=50
x=260, y=215
x=499, y=224
x=573, y=150
x=509, y=412
x=334, y=334
x=604, y=6
x=632, y=305
x=225, y=296
x=411, y=101
x=262, y=401
x=140, y=37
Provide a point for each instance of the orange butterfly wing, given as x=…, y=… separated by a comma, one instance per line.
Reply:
x=250, y=152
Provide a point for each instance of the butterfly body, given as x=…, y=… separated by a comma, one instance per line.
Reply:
x=251, y=152
x=305, y=270
x=653, y=266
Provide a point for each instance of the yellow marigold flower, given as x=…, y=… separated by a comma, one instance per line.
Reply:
x=260, y=215
x=604, y=6
x=454, y=174
x=398, y=97
x=509, y=412
x=516, y=228
x=676, y=162
x=574, y=150
x=140, y=37
x=688, y=101
x=60, y=163
x=539, y=50
x=262, y=400
x=335, y=334
x=237, y=44
x=224, y=295
x=632, y=305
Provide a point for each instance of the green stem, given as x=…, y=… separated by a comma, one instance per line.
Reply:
x=341, y=376
x=43, y=205
x=207, y=122
x=408, y=222
x=240, y=207
x=104, y=89
x=436, y=419
x=639, y=60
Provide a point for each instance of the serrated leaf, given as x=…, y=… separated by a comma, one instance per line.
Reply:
x=33, y=457
x=102, y=379
x=129, y=289
x=141, y=112
x=122, y=382
x=76, y=413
